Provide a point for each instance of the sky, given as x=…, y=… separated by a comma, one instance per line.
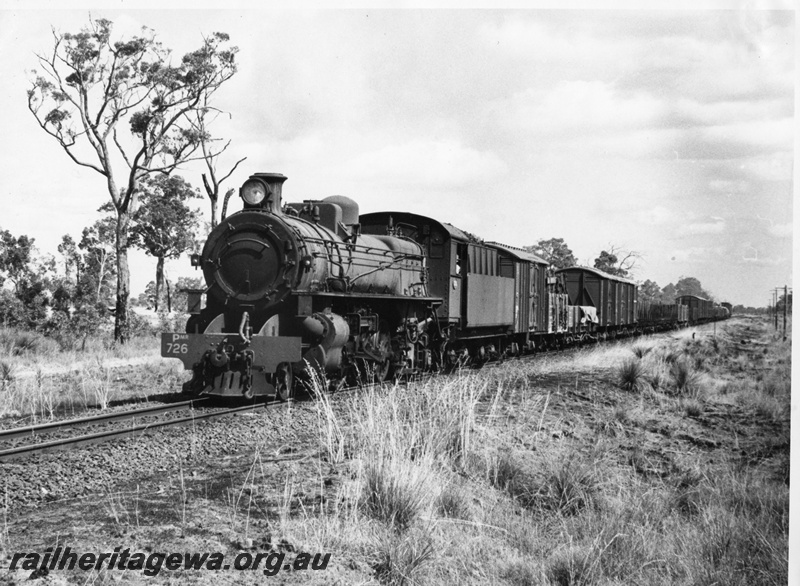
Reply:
x=665, y=131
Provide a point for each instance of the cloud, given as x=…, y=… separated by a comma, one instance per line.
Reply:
x=696, y=254
x=526, y=37
x=761, y=262
x=434, y=163
x=716, y=226
x=721, y=60
x=689, y=112
x=775, y=166
x=577, y=107
x=728, y=186
x=782, y=230
x=656, y=216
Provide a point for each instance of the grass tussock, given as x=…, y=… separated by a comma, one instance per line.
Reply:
x=685, y=378
x=570, y=488
x=565, y=485
x=524, y=572
x=402, y=559
x=397, y=491
x=692, y=407
x=776, y=385
x=7, y=371
x=453, y=503
x=630, y=375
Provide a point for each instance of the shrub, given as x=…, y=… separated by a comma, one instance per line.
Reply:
x=73, y=331
x=18, y=342
x=12, y=310
x=139, y=326
x=171, y=322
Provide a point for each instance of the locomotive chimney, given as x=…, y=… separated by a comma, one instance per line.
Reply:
x=274, y=200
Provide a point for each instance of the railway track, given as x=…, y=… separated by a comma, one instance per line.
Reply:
x=35, y=431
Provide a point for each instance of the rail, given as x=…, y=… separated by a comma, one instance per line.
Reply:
x=99, y=437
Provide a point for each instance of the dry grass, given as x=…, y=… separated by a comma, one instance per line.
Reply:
x=41, y=395
x=446, y=468
x=29, y=350
x=544, y=472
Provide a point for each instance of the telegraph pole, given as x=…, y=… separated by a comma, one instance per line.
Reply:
x=775, y=305
x=785, y=307
x=775, y=301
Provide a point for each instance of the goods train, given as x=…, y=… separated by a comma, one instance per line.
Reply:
x=298, y=288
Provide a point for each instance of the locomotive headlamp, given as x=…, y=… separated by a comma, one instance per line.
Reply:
x=254, y=192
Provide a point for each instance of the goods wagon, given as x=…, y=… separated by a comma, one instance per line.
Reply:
x=614, y=298
x=700, y=309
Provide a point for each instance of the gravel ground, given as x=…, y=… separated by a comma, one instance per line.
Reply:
x=102, y=467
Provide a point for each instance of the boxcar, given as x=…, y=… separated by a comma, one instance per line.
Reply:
x=700, y=309
x=531, y=311
x=614, y=298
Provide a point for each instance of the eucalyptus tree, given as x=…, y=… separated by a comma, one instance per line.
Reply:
x=124, y=110
x=98, y=266
x=15, y=258
x=165, y=226
x=650, y=291
x=617, y=261
x=691, y=286
x=555, y=251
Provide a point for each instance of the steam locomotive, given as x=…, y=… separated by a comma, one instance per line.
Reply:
x=314, y=287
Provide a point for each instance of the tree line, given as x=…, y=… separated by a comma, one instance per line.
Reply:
x=70, y=296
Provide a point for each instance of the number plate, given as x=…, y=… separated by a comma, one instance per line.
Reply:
x=174, y=345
